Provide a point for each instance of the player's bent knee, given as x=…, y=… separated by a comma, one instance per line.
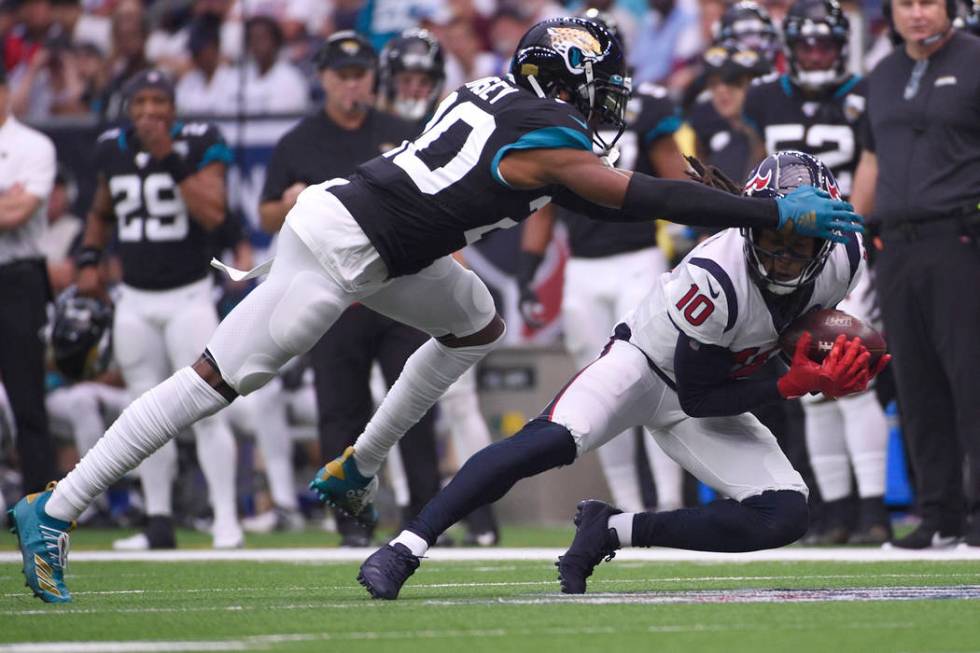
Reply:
x=491, y=334
x=785, y=515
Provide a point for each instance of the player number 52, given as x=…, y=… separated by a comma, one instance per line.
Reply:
x=696, y=306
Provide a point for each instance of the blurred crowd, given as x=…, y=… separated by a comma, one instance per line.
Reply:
x=70, y=57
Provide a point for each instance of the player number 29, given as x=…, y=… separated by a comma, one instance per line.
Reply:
x=696, y=306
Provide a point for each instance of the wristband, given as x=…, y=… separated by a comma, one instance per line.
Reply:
x=177, y=167
x=89, y=256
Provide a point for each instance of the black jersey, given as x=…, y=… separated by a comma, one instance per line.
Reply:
x=318, y=149
x=720, y=144
x=443, y=190
x=160, y=245
x=650, y=116
x=827, y=127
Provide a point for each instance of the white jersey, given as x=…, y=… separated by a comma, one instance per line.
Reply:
x=711, y=297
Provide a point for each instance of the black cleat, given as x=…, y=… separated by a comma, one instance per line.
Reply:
x=927, y=536
x=386, y=570
x=594, y=542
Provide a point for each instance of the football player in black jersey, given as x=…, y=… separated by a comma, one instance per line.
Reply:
x=723, y=138
x=413, y=73
x=612, y=266
x=817, y=106
x=161, y=189
x=495, y=151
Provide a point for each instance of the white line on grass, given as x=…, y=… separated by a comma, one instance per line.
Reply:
x=787, y=554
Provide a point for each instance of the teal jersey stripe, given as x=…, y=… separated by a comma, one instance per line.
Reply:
x=665, y=127
x=547, y=138
x=217, y=152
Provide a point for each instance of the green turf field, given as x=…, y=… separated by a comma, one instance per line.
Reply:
x=502, y=605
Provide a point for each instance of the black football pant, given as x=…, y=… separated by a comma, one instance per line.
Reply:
x=24, y=293
x=929, y=291
x=342, y=362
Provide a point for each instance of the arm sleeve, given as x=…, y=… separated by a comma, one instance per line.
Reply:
x=683, y=202
x=704, y=387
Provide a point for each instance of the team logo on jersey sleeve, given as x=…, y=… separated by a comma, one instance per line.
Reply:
x=759, y=182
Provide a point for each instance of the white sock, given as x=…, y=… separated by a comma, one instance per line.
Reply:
x=618, y=461
x=426, y=376
x=268, y=412
x=157, y=475
x=218, y=457
x=415, y=544
x=623, y=525
x=145, y=426
x=866, y=431
x=667, y=475
x=827, y=448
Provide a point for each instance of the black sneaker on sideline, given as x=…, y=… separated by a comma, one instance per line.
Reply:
x=386, y=570
x=927, y=536
x=594, y=542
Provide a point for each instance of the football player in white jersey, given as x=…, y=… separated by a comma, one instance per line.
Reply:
x=679, y=365
x=496, y=150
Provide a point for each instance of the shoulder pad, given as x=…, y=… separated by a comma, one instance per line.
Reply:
x=701, y=301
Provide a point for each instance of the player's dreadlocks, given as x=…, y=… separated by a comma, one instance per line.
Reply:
x=710, y=175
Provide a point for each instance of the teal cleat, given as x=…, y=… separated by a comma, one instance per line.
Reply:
x=44, y=546
x=341, y=485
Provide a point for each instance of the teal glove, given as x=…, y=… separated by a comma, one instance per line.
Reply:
x=811, y=212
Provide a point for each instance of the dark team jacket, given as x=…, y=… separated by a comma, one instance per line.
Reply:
x=728, y=149
x=650, y=116
x=318, y=149
x=827, y=127
x=442, y=191
x=160, y=245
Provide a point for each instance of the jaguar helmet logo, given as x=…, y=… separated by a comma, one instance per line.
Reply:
x=576, y=46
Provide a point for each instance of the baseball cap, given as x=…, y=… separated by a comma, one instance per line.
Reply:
x=151, y=78
x=346, y=48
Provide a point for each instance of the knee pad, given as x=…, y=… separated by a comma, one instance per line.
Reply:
x=784, y=514
x=473, y=296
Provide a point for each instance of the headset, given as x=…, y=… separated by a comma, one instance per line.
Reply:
x=951, y=13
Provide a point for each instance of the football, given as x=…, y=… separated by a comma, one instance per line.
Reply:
x=824, y=326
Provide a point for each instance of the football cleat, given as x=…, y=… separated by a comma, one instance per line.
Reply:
x=594, y=542
x=341, y=485
x=386, y=570
x=43, y=542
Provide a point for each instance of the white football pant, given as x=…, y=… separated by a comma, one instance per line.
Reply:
x=737, y=455
x=155, y=333
x=598, y=292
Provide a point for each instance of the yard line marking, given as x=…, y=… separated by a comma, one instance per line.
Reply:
x=317, y=556
x=266, y=642
x=635, y=581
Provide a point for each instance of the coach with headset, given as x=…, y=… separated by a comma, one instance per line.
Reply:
x=919, y=181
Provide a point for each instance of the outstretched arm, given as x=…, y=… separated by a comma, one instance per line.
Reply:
x=608, y=194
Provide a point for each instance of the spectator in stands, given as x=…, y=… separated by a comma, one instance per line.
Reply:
x=127, y=59
x=34, y=25
x=27, y=169
x=505, y=33
x=63, y=233
x=296, y=18
x=466, y=60
x=80, y=26
x=168, y=44
x=272, y=85
x=50, y=84
x=666, y=43
x=210, y=86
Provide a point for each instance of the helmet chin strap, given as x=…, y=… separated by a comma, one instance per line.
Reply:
x=533, y=81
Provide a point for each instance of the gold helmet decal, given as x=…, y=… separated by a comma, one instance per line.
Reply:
x=576, y=46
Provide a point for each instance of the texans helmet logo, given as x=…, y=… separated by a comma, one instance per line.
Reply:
x=758, y=182
x=833, y=189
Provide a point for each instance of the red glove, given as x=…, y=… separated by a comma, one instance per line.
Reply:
x=844, y=371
